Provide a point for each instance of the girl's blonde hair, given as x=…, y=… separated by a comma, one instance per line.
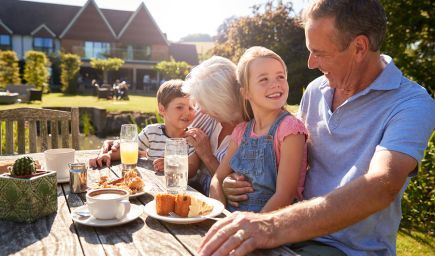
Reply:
x=243, y=73
x=213, y=85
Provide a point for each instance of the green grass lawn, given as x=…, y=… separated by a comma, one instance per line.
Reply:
x=136, y=103
x=415, y=243
x=144, y=104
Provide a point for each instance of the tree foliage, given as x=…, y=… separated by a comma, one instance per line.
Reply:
x=70, y=67
x=196, y=38
x=272, y=25
x=173, y=69
x=419, y=198
x=106, y=65
x=35, y=69
x=9, y=69
x=410, y=39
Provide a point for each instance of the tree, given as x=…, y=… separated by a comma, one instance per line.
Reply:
x=410, y=39
x=273, y=26
x=106, y=65
x=173, y=69
x=70, y=67
x=196, y=38
x=35, y=69
x=9, y=70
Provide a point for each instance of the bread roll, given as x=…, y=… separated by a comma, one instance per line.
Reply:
x=165, y=203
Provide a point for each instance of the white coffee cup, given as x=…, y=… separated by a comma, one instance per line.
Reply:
x=57, y=160
x=108, y=203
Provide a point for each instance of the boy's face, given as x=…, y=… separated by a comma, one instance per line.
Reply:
x=178, y=113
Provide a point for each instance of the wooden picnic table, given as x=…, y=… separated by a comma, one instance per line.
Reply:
x=58, y=234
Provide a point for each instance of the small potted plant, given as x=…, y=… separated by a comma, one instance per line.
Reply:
x=27, y=193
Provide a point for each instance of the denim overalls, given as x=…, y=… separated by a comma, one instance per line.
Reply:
x=256, y=160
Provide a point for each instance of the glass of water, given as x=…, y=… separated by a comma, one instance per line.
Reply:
x=176, y=165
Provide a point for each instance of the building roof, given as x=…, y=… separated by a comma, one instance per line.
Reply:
x=184, y=52
x=24, y=17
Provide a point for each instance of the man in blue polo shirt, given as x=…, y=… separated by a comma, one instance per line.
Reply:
x=369, y=126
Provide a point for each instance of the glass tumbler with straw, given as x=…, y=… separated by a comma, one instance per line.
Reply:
x=129, y=147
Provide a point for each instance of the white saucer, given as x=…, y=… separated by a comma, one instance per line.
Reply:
x=138, y=194
x=135, y=212
x=218, y=207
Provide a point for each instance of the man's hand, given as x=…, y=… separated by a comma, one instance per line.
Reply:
x=236, y=189
x=239, y=234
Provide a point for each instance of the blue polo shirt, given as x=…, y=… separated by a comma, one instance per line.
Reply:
x=394, y=114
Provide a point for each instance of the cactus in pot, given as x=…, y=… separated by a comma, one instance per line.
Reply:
x=23, y=166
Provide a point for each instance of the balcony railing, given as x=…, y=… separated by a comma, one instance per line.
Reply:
x=125, y=54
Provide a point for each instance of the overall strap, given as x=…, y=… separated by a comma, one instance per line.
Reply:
x=248, y=129
x=275, y=125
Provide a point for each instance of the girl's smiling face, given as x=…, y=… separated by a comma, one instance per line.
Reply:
x=268, y=87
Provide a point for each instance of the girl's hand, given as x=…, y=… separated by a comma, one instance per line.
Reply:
x=200, y=141
x=158, y=164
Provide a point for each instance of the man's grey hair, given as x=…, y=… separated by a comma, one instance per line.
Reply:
x=352, y=18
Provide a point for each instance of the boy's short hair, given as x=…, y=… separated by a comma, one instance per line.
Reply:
x=170, y=90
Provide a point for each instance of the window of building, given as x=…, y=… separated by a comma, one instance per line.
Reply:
x=5, y=42
x=98, y=50
x=43, y=44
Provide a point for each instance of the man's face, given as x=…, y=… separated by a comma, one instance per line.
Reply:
x=336, y=64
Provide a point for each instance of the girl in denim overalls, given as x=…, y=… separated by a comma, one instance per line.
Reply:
x=269, y=149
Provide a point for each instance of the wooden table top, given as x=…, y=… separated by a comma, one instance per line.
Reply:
x=58, y=234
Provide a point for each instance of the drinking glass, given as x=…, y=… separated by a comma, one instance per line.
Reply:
x=129, y=147
x=176, y=165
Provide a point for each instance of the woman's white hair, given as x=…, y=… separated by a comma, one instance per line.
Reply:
x=213, y=85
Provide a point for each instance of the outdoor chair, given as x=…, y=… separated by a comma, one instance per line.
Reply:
x=31, y=118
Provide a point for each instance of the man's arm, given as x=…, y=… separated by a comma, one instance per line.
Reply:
x=341, y=208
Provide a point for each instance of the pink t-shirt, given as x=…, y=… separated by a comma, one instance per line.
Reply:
x=289, y=125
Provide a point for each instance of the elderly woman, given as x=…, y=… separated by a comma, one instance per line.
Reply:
x=214, y=88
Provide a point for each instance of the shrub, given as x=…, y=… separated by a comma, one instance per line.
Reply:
x=419, y=198
x=88, y=128
x=173, y=69
x=70, y=67
x=9, y=70
x=106, y=64
x=35, y=69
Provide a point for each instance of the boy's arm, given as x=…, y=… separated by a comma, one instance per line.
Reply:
x=194, y=163
x=292, y=155
x=222, y=171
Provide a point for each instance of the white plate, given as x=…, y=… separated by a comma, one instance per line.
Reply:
x=218, y=207
x=135, y=212
x=138, y=194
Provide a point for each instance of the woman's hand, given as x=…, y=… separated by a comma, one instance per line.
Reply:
x=236, y=188
x=159, y=164
x=200, y=141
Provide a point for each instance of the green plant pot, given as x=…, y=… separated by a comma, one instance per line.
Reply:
x=27, y=199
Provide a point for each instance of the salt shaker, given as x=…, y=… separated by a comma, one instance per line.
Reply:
x=78, y=177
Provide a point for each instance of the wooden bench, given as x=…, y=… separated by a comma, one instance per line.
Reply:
x=32, y=116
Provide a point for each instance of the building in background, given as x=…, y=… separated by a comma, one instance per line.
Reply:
x=91, y=32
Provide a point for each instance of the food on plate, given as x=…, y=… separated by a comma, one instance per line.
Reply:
x=184, y=205
x=130, y=182
x=165, y=203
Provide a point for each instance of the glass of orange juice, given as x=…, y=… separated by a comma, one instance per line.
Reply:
x=129, y=147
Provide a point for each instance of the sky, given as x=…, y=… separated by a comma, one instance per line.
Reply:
x=179, y=18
